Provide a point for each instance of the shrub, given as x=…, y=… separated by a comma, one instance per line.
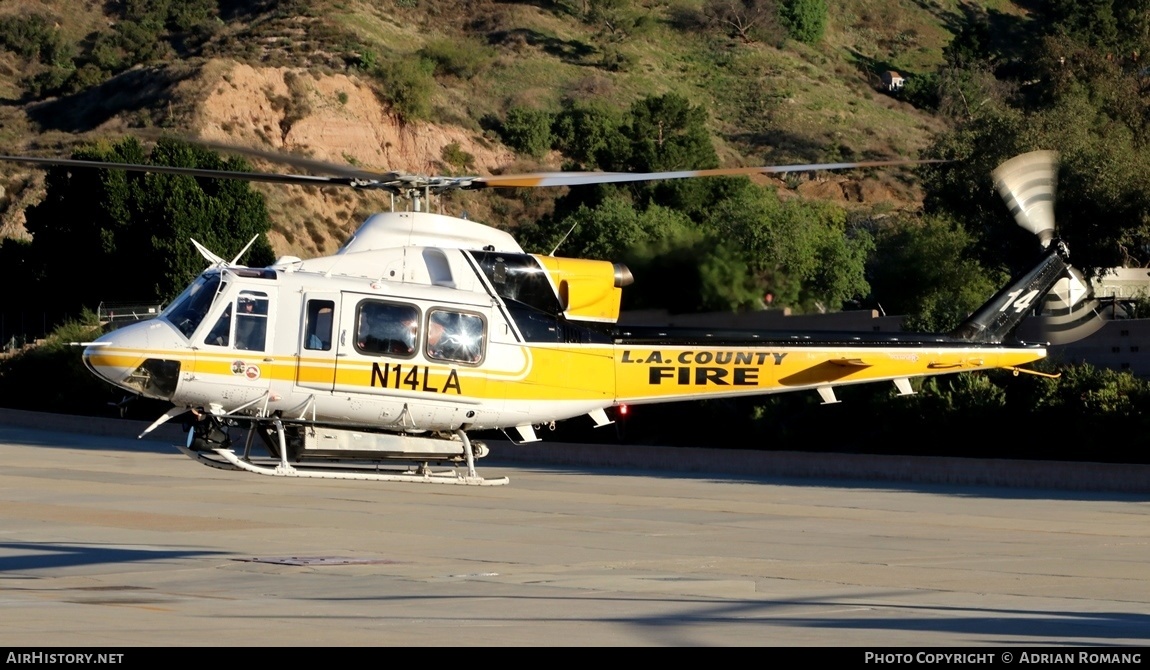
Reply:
x=458, y=58
x=454, y=155
x=407, y=86
x=527, y=131
x=33, y=37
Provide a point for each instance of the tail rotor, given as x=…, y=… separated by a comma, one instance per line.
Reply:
x=1027, y=183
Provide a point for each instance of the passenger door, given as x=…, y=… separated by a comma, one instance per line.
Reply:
x=316, y=365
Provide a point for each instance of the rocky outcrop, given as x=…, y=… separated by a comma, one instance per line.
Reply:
x=331, y=117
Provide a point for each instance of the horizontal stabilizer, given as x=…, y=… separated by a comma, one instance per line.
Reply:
x=827, y=393
x=599, y=417
x=526, y=433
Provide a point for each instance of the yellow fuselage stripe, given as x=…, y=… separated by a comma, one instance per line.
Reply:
x=619, y=373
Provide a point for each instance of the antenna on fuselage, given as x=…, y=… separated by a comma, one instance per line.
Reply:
x=208, y=255
x=217, y=261
x=564, y=238
x=244, y=250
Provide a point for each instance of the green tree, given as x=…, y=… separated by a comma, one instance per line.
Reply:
x=686, y=269
x=961, y=189
x=462, y=58
x=601, y=232
x=1117, y=26
x=924, y=269
x=73, y=389
x=806, y=20
x=668, y=133
x=528, y=131
x=590, y=136
x=111, y=235
x=972, y=43
x=1103, y=205
x=678, y=266
x=615, y=18
x=802, y=251
x=33, y=37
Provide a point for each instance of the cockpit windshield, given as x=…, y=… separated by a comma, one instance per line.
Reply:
x=187, y=311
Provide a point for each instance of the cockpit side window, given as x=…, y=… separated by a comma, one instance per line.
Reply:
x=220, y=334
x=385, y=328
x=518, y=277
x=194, y=303
x=251, y=320
x=456, y=337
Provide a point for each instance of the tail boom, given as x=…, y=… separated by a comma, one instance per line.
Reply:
x=660, y=373
x=661, y=364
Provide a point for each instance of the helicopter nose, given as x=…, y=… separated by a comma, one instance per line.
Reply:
x=139, y=357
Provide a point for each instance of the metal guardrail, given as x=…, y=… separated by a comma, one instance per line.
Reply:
x=113, y=313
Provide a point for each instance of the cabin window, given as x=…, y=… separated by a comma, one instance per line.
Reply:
x=385, y=328
x=317, y=330
x=456, y=337
x=251, y=320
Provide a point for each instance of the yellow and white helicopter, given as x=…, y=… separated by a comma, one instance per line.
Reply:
x=423, y=327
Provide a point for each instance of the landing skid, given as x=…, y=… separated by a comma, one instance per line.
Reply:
x=226, y=459
x=209, y=444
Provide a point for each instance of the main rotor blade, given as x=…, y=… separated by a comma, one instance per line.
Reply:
x=309, y=164
x=400, y=183
x=586, y=178
x=300, y=179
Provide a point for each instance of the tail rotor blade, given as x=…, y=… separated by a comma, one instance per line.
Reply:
x=1070, y=311
x=1027, y=184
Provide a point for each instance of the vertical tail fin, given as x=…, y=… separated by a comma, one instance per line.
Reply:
x=1000, y=317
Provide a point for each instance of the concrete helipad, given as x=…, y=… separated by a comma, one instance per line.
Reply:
x=112, y=542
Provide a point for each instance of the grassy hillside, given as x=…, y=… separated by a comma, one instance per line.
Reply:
x=102, y=69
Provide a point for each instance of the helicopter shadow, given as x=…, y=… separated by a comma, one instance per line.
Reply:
x=963, y=491
x=990, y=624
x=53, y=555
x=568, y=51
x=146, y=92
x=46, y=438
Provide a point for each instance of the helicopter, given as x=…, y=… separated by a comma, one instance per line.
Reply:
x=376, y=362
